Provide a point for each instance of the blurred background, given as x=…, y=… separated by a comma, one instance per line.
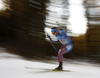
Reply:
x=24, y=25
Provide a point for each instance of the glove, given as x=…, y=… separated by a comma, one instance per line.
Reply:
x=48, y=36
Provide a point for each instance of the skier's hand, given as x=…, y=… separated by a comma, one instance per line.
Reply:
x=57, y=23
x=48, y=36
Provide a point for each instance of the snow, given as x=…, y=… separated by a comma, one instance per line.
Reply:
x=13, y=66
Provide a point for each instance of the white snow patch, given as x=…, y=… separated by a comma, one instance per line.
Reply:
x=15, y=68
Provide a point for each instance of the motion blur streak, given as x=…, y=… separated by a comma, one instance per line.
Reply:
x=24, y=24
x=5, y=8
x=77, y=17
x=64, y=11
x=4, y=4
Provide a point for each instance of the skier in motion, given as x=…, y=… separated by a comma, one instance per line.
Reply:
x=66, y=42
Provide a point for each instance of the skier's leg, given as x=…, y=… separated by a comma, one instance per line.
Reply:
x=62, y=51
x=60, y=55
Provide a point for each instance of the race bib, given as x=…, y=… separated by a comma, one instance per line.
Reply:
x=63, y=41
x=68, y=47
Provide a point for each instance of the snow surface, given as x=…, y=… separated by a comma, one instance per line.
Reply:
x=13, y=66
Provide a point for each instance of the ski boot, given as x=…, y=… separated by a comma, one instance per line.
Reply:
x=58, y=68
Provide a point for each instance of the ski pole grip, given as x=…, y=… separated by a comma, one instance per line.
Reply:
x=48, y=36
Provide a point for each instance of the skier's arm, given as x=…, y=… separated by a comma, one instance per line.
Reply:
x=52, y=40
x=64, y=33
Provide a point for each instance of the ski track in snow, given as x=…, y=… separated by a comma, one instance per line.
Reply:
x=11, y=67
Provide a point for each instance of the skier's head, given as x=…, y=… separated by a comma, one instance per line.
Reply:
x=54, y=31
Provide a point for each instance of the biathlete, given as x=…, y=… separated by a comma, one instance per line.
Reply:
x=66, y=42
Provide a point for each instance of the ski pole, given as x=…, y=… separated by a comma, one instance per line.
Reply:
x=54, y=47
x=52, y=44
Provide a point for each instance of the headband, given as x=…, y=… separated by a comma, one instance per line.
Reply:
x=53, y=30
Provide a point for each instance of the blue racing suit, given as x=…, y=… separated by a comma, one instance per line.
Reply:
x=66, y=42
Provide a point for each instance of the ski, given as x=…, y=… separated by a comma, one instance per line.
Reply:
x=48, y=70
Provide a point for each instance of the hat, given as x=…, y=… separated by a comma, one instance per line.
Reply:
x=53, y=30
